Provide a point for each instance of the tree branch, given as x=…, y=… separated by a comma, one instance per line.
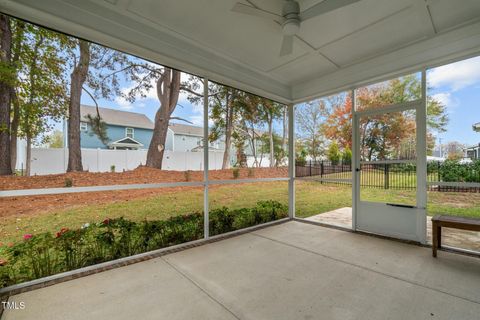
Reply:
x=129, y=67
x=181, y=119
x=94, y=100
x=187, y=89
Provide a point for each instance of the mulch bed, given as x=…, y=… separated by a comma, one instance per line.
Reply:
x=27, y=205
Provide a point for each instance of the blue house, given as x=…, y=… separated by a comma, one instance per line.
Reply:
x=125, y=130
x=133, y=131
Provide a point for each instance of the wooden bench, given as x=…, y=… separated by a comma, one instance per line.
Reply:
x=450, y=222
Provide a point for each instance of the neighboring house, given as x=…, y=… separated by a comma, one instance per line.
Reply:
x=188, y=138
x=125, y=130
x=472, y=152
x=131, y=130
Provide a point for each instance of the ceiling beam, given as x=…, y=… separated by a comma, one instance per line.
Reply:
x=423, y=10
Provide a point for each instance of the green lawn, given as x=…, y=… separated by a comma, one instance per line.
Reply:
x=311, y=198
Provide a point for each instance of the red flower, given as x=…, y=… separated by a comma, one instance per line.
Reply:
x=106, y=221
x=27, y=236
x=61, y=232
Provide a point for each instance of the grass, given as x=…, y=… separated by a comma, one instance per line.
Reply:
x=311, y=198
x=314, y=198
x=168, y=203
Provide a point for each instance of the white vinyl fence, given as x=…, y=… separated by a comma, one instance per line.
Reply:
x=51, y=161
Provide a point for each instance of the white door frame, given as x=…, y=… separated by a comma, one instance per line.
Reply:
x=380, y=218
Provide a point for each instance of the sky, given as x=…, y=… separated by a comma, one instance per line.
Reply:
x=456, y=85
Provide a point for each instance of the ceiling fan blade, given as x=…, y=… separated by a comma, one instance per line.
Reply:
x=287, y=46
x=324, y=7
x=246, y=9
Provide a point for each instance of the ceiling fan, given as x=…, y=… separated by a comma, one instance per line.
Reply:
x=291, y=17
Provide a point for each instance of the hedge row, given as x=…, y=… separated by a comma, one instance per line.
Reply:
x=45, y=254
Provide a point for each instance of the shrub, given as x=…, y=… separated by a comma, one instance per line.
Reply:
x=112, y=168
x=236, y=173
x=68, y=182
x=347, y=156
x=45, y=254
x=333, y=153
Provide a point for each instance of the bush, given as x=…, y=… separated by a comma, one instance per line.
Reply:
x=112, y=168
x=454, y=171
x=347, y=156
x=236, y=173
x=188, y=175
x=68, y=182
x=45, y=254
x=333, y=153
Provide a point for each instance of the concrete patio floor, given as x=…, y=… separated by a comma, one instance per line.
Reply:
x=462, y=239
x=289, y=271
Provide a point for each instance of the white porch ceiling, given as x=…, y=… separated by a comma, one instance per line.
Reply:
x=369, y=40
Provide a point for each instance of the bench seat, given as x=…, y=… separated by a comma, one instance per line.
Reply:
x=440, y=221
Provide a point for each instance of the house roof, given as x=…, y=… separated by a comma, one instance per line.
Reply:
x=136, y=120
x=185, y=129
x=126, y=142
x=118, y=117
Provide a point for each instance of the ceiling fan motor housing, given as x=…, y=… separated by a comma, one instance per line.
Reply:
x=291, y=10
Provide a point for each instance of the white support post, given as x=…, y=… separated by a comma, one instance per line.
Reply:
x=355, y=162
x=205, y=159
x=421, y=119
x=291, y=161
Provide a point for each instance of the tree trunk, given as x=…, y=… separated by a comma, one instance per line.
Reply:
x=168, y=90
x=17, y=51
x=78, y=77
x=14, y=130
x=285, y=129
x=228, y=132
x=5, y=97
x=28, y=167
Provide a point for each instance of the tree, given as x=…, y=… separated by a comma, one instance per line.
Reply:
x=270, y=111
x=338, y=122
x=146, y=76
x=225, y=113
x=55, y=140
x=347, y=156
x=42, y=89
x=309, y=121
x=278, y=150
x=19, y=35
x=90, y=65
x=77, y=80
x=168, y=90
x=389, y=134
x=250, y=128
x=333, y=153
x=6, y=80
x=454, y=150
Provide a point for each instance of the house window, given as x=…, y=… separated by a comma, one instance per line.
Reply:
x=129, y=133
x=83, y=126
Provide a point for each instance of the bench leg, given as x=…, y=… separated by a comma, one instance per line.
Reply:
x=439, y=237
x=435, y=240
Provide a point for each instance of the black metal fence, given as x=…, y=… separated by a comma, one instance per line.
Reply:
x=392, y=175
